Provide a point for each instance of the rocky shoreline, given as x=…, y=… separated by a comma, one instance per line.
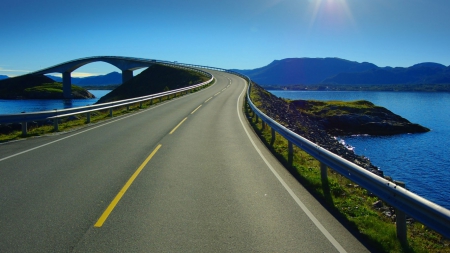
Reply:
x=323, y=130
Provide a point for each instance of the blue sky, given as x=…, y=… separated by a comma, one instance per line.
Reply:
x=229, y=34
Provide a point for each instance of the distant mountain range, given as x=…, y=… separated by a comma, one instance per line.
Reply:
x=330, y=71
x=113, y=78
x=3, y=77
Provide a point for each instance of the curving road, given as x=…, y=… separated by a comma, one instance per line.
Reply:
x=188, y=175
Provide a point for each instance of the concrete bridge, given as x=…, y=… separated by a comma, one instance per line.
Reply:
x=126, y=64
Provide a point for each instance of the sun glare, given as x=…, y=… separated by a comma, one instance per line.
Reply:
x=330, y=14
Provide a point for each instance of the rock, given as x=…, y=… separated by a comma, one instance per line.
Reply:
x=377, y=204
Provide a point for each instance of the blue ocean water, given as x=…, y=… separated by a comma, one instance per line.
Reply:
x=36, y=105
x=422, y=161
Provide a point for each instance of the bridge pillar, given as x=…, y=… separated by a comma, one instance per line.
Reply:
x=67, y=85
x=126, y=75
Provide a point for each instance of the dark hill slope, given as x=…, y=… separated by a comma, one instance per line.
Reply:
x=154, y=80
x=36, y=87
x=304, y=70
x=423, y=73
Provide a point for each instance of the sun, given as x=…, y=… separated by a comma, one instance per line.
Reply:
x=330, y=13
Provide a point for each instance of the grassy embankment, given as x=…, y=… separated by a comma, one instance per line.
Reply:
x=347, y=201
x=75, y=122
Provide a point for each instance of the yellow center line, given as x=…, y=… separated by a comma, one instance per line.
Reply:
x=217, y=94
x=116, y=200
x=173, y=130
x=208, y=99
x=196, y=109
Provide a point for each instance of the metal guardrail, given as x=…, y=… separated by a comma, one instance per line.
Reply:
x=430, y=214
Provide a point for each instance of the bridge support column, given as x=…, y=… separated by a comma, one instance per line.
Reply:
x=127, y=75
x=67, y=85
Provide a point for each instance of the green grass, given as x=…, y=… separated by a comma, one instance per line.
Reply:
x=69, y=123
x=347, y=201
x=331, y=108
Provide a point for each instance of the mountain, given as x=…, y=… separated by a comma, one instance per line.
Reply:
x=112, y=78
x=304, y=70
x=329, y=71
x=422, y=73
x=3, y=77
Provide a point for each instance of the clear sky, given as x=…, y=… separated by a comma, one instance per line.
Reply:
x=242, y=34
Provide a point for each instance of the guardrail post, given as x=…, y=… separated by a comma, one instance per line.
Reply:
x=400, y=220
x=160, y=99
x=110, y=112
x=140, y=105
x=151, y=101
x=88, y=117
x=55, y=125
x=323, y=172
x=24, y=128
x=290, y=153
x=263, y=125
x=273, y=137
x=256, y=118
x=128, y=107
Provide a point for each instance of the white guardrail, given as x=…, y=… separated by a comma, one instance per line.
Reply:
x=428, y=213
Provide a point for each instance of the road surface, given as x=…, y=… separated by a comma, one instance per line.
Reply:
x=188, y=175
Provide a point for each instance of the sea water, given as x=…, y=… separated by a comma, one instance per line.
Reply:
x=36, y=105
x=422, y=160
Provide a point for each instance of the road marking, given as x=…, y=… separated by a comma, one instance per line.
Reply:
x=173, y=130
x=217, y=94
x=290, y=191
x=208, y=100
x=196, y=109
x=116, y=200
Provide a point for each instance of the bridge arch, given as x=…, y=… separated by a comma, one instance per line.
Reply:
x=125, y=64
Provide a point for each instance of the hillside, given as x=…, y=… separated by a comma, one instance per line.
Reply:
x=335, y=71
x=154, y=79
x=3, y=77
x=36, y=87
x=303, y=70
x=425, y=73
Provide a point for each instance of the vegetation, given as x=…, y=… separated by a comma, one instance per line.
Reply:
x=347, y=201
x=331, y=108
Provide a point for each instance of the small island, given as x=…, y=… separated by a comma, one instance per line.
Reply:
x=321, y=122
x=37, y=87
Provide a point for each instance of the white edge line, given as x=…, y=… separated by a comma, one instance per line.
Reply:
x=290, y=191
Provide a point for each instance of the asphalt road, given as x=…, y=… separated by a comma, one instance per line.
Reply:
x=188, y=175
